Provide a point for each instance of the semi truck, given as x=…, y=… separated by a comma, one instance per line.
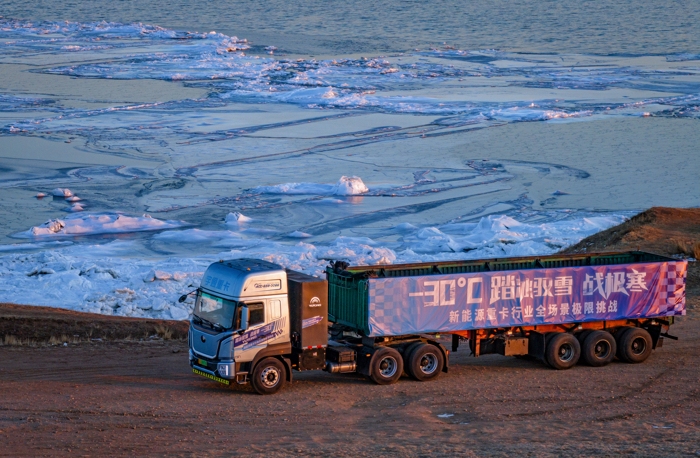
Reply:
x=257, y=322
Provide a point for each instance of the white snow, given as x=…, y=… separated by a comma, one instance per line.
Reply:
x=40, y=195
x=237, y=218
x=346, y=186
x=59, y=192
x=73, y=199
x=98, y=223
x=74, y=208
x=105, y=279
x=298, y=234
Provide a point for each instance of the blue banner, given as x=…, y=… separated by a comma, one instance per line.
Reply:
x=458, y=302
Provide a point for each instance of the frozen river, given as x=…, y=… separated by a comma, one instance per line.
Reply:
x=162, y=149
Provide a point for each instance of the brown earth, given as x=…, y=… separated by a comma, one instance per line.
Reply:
x=139, y=397
x=33, y=325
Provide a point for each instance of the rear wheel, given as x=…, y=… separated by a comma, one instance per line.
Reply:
x=636, y=345
x=386, y=366
x=581, y=336
x=562, y=351
x=425, y=362
x=598, y=348
x=618, y=339
x=269, y=376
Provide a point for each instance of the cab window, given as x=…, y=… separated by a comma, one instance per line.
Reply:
x=256, y=315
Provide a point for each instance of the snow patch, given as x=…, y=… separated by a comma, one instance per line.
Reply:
x=237, y=218
x=60, y=192
x=346, y=186
x=98, y=223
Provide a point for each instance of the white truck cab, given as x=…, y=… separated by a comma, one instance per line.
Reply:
x=242, y=317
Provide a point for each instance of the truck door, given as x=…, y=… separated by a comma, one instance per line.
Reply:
x=246, y=346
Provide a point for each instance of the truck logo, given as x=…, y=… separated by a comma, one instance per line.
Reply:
x=204, y=339
x=315, y=302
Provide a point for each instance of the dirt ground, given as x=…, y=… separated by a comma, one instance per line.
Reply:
x=140, y=398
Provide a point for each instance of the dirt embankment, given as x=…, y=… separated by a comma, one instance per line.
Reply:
x=33, y=325
x=666, y=231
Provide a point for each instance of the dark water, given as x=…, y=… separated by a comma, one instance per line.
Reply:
x=336, y=28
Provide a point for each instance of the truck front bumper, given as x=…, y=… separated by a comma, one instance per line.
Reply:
x=216, y=369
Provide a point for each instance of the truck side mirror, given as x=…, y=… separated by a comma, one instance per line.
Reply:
x=245, y=314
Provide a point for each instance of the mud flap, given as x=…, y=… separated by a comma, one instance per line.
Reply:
x=535, y=344
x=364, y=358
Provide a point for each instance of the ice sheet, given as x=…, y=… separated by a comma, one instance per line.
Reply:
x=91, y=224
x=91, y=278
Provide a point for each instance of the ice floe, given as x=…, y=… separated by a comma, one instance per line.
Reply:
x=59, y=192
x=346, y=186
x=97, y=223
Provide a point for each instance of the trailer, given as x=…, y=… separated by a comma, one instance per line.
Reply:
x=256, y=322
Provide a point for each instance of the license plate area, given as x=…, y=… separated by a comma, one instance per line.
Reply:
x=213, y=377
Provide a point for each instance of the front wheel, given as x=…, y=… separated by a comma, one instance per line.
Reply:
x=269, y=376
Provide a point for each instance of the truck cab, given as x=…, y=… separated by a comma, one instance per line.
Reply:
x=242, y=318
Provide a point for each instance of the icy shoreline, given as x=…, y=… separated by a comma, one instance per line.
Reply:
x=94, y=278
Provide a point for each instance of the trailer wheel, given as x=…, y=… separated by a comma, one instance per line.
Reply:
x=619, y=334
x=562, y=351
x=598, y=348
x=547, y=337
x=581, y=336
x=425, y=362
x=269, y=376
x=635, y=345
x=386, y=366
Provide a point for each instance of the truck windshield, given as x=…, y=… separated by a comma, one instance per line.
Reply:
x=215, y=310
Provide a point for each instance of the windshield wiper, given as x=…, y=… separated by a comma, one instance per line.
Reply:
x=214, y=326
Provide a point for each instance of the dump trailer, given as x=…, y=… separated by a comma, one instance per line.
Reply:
x=255, y=321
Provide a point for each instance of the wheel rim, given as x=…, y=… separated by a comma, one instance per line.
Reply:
x=387, y=366
x=566, y=353
x=639, y=346
x=428, y=363
x=269, y=377
x=602, y=349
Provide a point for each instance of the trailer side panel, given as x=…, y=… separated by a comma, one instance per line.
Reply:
x=458, y=302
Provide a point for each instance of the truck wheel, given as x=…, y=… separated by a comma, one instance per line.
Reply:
x=425, y=362
x=408, y=352
x=386, y=366
x=547, y=337
x=635, y=345
x=618, y=340
x=269, y=376
x=562, y=351
x=599, y=348
x=581, y=336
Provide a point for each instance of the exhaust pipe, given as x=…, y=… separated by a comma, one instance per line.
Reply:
x=340, y=368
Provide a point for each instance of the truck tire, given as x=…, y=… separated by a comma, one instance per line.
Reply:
x=547, y=337
x=386, y=366
x=407, y=353
x=269, y=376
x=581, y=336
x=598, y=348
x=562, y=351
x=636, y=345
x=425, y=362
x=618, y=340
